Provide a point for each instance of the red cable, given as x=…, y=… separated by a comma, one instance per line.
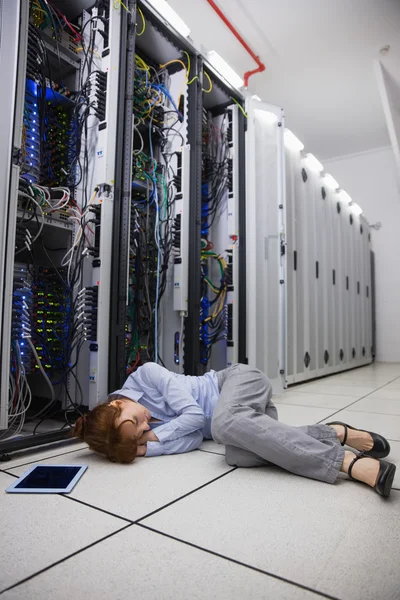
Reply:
x=261, y=66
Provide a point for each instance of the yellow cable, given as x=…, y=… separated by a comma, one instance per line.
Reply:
x=240, y=106
x=209, y=81
x=118, y=3
x=188, y=59
x=40, y=10
x=144, y=22
x=80, y=49
x=175, y=60
x=202, y=89
x=144, y=66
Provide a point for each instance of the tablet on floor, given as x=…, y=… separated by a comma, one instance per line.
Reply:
x=48, y=479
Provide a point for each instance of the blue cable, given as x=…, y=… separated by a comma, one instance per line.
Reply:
x=166, y=93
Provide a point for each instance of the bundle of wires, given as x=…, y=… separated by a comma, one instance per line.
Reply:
x=49, y=327
x=20, y=395
x=155, y=117
x=215, y=174
x=212, y=311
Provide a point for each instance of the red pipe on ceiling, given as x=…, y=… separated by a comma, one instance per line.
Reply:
x=261, y=66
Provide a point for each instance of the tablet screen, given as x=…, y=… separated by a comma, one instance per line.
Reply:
x=49, y=477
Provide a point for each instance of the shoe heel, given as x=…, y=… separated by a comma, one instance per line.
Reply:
x=386, y=475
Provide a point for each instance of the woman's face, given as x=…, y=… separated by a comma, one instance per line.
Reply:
x=132, y=411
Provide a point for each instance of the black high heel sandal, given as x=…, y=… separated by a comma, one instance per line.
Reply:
x=381, y=447
x=384, y=481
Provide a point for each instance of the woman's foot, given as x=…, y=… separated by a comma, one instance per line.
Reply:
x=365, y=470
x=360, y=440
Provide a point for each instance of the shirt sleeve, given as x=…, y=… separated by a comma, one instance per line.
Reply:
x=179, y=446
x=190, y=416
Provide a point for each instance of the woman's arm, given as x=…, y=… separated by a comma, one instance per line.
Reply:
x=190, y=417
x=179, y=446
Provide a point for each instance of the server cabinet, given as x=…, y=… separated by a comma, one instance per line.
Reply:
x=155, y=232
x=266, y=239
x=55, y=246
x=183, y=184
x=13, y=39
x=309, y=296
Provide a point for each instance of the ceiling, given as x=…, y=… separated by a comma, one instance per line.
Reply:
x=319, y=57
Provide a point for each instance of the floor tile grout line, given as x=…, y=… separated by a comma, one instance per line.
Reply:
x=362, y=398
x=11, y=474
x=119, y=516
x=46, y=458
x=65, y=558
x=103, y=510
x=210, y=452
x=238, y=562
x=136, y=521
x=184, y=496
x=107, y=512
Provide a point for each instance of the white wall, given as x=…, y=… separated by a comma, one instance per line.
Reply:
x=370, y=179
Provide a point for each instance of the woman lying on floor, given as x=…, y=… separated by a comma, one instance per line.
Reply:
x=159, y=412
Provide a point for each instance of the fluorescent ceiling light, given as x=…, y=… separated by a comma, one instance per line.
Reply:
x=355, y=208
x=171, y=16
x=314, y=163
x=292, y=142
x=224, y=69
x=330, y=181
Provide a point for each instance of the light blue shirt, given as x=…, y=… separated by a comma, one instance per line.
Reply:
x=183, y=403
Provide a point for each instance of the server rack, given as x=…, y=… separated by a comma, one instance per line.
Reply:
x=84, y=380
x=157, y=44
x=179, y=310
x=222, y=228
x=265, y=239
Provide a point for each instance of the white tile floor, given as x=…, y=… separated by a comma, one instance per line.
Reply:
x=190, y=526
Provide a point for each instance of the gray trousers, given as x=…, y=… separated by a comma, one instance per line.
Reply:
x=246, y=422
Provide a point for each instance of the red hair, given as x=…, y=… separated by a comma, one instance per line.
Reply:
x=97, y=428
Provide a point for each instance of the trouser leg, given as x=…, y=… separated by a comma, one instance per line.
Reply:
x=241, y=421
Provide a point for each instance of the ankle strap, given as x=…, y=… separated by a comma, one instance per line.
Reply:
x=345, y=435
x=361, y=455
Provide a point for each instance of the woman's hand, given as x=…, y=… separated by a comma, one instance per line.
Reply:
x=147, y=436
x=141, y=450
